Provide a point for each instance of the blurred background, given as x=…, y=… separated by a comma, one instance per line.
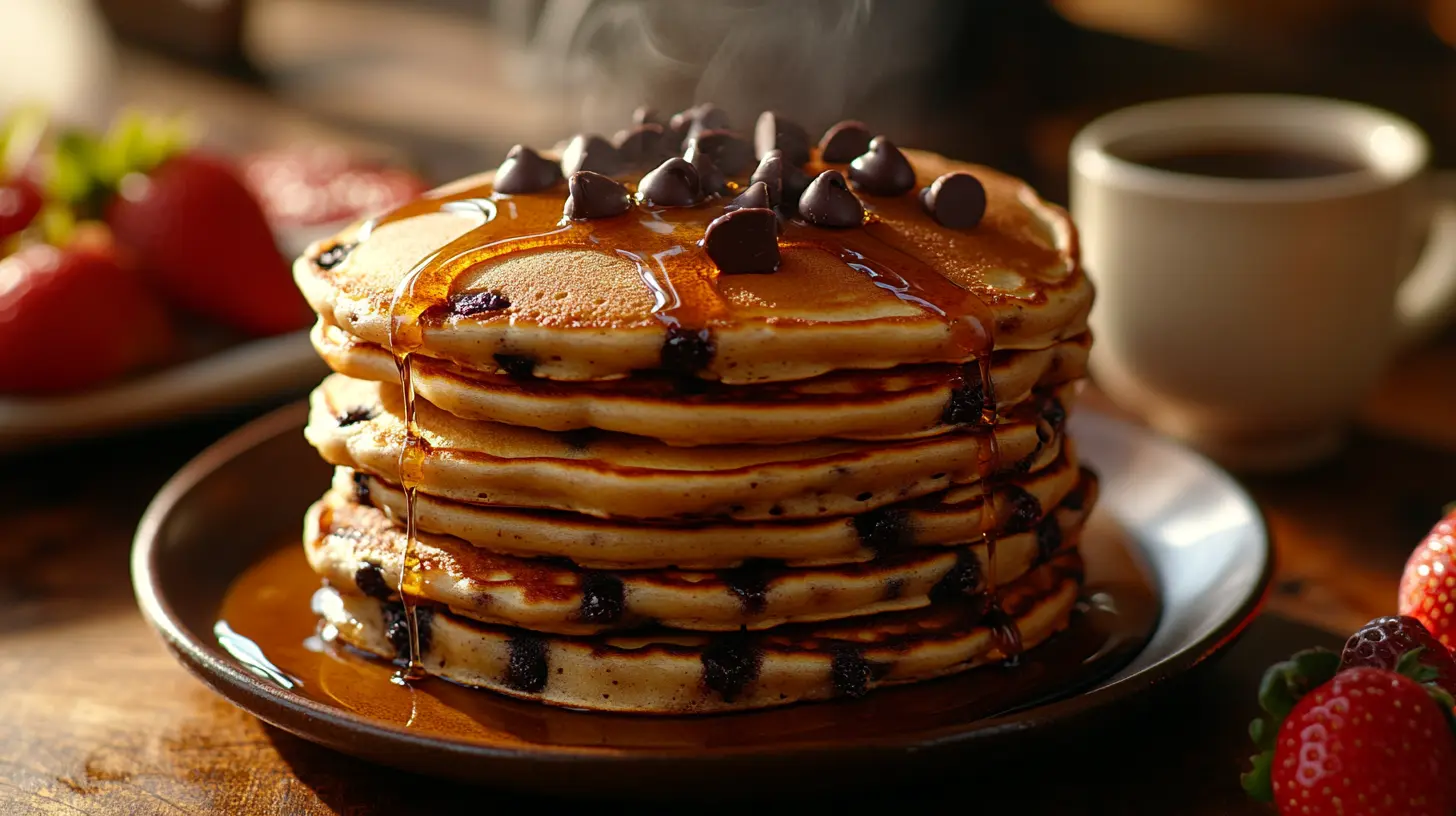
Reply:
x=448, y=85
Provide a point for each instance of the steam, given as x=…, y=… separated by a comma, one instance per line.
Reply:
x=817, y=61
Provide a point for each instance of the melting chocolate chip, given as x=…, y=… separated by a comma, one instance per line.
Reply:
x=334, y=255
x=642, y=145
x=369, y=578
x=673, y=184
x=706, y=116
x=849, y=671
x=755, y=197
x=469, y=304
x=770, y=173
x=744, y=242
x=730, y=665
x=645, y=115
x=590, y=152
x=1054, y=413
x=524, y=171
x=773, y=132
x=594, y=195
x=963, y=580
x=602, y=597
x=967, y=402
x=355, y=415
x=526, y=666
x=955, y=200
x=884, y=530
x=749, y=582
x=1025, y=510
x=361, y=488
x=827, y=202
x=516, y=365
x=1048, y=537
x=710, y=179
x=843, y=141
x=396, y=628
x=882, y=170
x=894, y=588
x=732, y=154
x=687, y=351
x=578, y=440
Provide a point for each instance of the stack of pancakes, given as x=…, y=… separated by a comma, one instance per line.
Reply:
x=648, y=472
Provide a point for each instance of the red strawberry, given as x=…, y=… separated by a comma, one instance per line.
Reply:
x=20, y=203
x=1364, y=740
x=1382, y=642
x=72, y=318
x=201, y=238
x=1428, y=586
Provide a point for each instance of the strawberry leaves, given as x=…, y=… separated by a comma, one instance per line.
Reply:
x=87, y=169
x=1283, y=685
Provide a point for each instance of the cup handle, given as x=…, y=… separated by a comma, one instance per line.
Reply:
x=1426, y=300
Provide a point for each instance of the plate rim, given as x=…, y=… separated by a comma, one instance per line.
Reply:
x=262, y=699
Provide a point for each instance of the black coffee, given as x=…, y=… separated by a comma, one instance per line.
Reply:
x=1248, y=163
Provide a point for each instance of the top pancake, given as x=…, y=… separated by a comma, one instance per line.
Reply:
x=596, y=299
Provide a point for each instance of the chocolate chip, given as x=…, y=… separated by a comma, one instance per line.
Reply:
x=674, y=183
x=590, y=152
x=1025, y=510
x=1054, y=413
x=334, y=255
x=361, y=488
x=603, y=597
x=527, y=668
x=515, y=365
x=396, y=628
x=710, y=179
x=882, y=170
x=956, y=200
x=1048, y=537
x=827, y=202
x=755, y=197
x=773, y=132
x=770, y=172
x=355, y=415
x=687, y=351
x=730, y=664
x=744, y=241
x=884, y=530
x=849, y=671
x=369, y=578
x=732, y=155
x=962, y=580
x=706, y=116
x=524, y=171
x=749, y=584
x=642, y=145
x=644, y=115
x=967, y=400
x=844, y=141
x=594, y=195
x=469, y=304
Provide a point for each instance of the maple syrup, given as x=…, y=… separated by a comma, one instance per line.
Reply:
x=266, y=623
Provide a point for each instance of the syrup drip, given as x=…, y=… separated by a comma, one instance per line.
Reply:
x=664, y=246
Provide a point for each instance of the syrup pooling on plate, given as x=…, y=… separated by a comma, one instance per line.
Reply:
x=665, y=246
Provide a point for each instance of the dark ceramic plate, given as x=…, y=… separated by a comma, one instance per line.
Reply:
x=1199, y=537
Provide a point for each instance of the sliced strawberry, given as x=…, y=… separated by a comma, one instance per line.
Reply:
x=73, y=318
x=1428, y=585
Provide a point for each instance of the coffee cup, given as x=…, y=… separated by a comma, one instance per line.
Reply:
x=1258, y=260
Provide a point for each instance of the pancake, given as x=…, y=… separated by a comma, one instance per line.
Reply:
x=909, y=401
x=356, y=548
x=668, y=672
x=611, y=544
x=359, y=424
x=602, y=298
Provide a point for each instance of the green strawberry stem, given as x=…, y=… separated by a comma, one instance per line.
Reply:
x=86, y=170
x=1285, y=683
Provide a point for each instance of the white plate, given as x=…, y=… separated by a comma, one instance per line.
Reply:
x=247, y=372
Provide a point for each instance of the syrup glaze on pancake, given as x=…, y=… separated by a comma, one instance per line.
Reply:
x=666, y=671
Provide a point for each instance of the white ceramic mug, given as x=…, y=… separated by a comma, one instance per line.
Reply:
x=1250, y=317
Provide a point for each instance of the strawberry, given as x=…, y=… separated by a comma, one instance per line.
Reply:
x=73, y=317
x=1364, y=740
x=1428, y=585
x=1382, y=642
x=20, y=203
